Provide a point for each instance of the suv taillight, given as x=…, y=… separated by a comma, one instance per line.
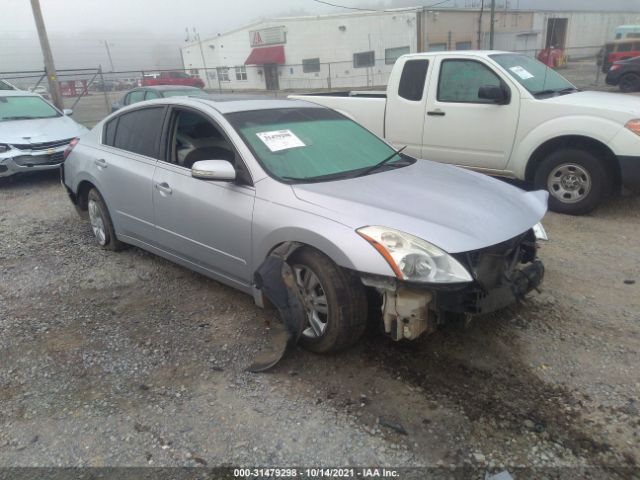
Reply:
x=72, y=144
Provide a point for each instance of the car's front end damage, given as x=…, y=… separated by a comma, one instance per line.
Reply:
x=501, y=275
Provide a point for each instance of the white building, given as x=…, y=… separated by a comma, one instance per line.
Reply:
x=359, y=49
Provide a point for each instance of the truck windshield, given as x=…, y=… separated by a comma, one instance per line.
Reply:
x=312, y=144
x=533, y=75
x=25, y=108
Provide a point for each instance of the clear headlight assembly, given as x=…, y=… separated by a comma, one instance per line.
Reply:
x=413, y=259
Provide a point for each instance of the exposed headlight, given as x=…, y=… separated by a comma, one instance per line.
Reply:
x=633, y=125
x=540, y=232
x=3, y=147
x=414, y=259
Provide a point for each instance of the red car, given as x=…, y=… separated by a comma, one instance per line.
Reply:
x=172, y=78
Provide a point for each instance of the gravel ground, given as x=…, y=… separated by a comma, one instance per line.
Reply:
x=113, y=359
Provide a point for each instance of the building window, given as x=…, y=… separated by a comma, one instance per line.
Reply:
x=437, y=47
x=223, y=74
x=392, y=54
x=463, y=45
x=364, y=59
x=311, y=65
x=241, y=72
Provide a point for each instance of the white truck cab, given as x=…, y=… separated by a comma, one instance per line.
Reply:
x=505, y=114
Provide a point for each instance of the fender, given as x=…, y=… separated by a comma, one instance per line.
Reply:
x=600, y=129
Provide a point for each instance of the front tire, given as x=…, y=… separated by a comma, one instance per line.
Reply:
x=576, y=180
x=334, y=301
x=101, y=224
x=629, y=82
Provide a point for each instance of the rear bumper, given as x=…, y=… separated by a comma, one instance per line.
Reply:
x=630, y=171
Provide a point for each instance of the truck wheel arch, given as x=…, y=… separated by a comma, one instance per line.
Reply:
x=603, y=152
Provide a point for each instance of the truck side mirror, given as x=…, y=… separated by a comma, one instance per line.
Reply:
x=494, y=93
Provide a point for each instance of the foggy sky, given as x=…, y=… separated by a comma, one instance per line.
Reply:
x=148, y=33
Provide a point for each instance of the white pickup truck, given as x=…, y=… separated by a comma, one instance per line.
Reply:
x=505, y=114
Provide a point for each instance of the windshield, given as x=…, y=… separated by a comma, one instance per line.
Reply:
x=532, y=74
x=186, y=92
x=310, y=144
x=25, y=108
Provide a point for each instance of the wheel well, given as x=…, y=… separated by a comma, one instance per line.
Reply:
x=604, y=154
x=83, y=192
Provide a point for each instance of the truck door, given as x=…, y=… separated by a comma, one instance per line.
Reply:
x=461, y=127
x=404, y=116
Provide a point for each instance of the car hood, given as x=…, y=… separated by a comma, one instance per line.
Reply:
x=454, y=209
x=605, y=101
x=40, y=130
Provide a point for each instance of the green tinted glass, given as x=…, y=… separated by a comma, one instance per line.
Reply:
x=316, y=143
x=25, y=108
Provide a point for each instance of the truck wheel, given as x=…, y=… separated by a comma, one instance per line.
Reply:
x=629, y=83
x=101, y=224
x=576, y=181
x=334, y=301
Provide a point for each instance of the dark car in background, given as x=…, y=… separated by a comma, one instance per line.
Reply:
x=172, y=78
x=625, y=74
x=159, y=91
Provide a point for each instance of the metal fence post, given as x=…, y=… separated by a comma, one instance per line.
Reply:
x=329, y=77
x=104, y=90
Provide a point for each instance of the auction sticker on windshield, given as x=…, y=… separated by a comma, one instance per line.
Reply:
x=280, y=140
x=521, y=72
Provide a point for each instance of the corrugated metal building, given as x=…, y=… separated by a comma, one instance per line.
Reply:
x=359, y=49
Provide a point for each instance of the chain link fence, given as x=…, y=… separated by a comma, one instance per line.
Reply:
x=91, y=92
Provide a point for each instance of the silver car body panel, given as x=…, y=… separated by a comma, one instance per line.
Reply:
x=225, y=230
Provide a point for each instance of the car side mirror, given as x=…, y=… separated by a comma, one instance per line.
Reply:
x=213, y=170
x=68, y=112
x=494, y=93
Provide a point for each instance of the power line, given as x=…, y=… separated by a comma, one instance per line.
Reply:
x=372, y=9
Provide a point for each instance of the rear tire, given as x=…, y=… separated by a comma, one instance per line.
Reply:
x=335, y=302
x=577, y=181
x=101, y=224
x=629, y=82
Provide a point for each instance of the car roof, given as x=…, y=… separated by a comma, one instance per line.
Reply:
x=168, y=87
x=227, y=104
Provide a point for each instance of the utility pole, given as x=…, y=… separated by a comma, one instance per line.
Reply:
x=204, y=63
x=49, y=67
x=480, y=25
x=106, y=45
x=492, y=26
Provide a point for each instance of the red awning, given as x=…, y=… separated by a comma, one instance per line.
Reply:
x=264, y=55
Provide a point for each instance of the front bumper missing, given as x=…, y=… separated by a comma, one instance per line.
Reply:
x=410, y=310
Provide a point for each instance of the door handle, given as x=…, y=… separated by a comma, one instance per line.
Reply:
x=101, y=163
x=436, y=113
x=164, y=188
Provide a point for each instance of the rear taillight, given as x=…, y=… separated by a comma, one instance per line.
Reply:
x=72, y=144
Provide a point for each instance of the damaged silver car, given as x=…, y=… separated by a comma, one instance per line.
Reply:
x=240, y=189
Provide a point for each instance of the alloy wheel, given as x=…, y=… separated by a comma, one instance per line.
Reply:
x=97, y=222
x=315, y=301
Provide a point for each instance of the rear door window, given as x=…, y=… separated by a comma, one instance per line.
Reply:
x=136, y=96
x=139, y=131
x=412, y=80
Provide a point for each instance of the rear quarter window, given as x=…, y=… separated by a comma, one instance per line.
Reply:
x=412, y=80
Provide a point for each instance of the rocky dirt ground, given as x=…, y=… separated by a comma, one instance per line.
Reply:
x=126, y=359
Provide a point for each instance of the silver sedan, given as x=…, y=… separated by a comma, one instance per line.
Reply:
x=222, y=186
x=33, y=133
